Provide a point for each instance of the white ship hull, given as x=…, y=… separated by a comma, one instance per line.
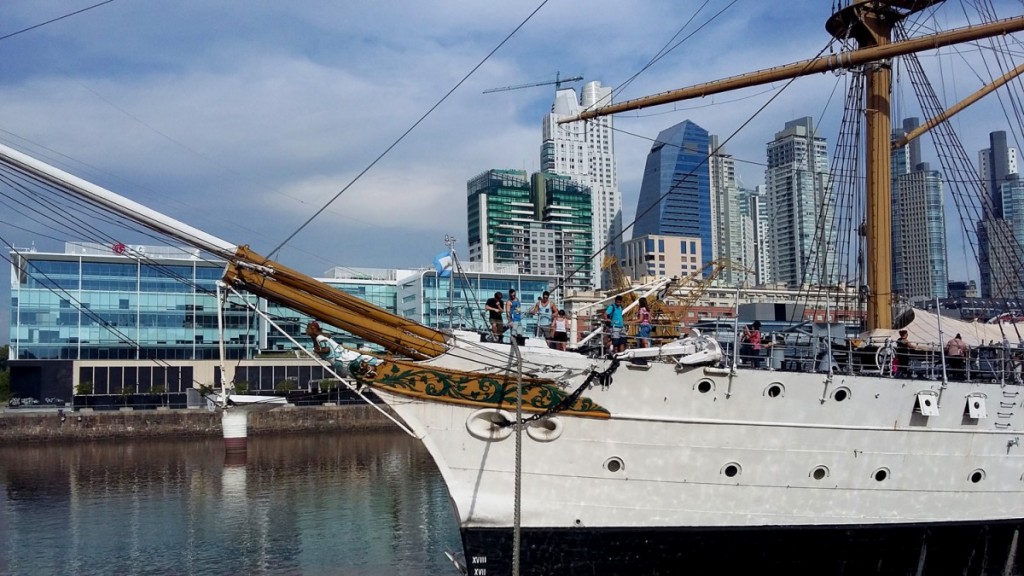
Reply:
x=706, y=450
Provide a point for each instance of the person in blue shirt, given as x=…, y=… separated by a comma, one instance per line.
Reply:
x=514, y=310
x=545, y=311
x=617, y=327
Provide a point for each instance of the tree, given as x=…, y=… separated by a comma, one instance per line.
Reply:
x=125, y=393
x=160, y=390
x=286, y=385
x=5, y=386
x=84, y=388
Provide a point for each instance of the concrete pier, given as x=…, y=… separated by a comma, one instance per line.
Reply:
x=89, y=426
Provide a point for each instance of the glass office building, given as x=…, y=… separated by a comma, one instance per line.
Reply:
x=94, y=303
x=134, y=317
x=675, y=195
x=458, y=301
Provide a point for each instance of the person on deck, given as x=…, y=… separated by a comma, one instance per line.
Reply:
x=750, y=349
x=643, y=314
x=495, y=310
x=514, y=311
x=956, y=356
x=347, y=363
x=902, y=369
x=545, y=311
x=617, y=327
x=560, y=330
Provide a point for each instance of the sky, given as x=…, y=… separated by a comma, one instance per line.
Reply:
x=244, y=118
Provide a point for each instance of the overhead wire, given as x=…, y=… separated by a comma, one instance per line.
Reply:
x=409, y=130
x=52, y=20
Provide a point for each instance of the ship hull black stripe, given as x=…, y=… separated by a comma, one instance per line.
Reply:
x=971, y=549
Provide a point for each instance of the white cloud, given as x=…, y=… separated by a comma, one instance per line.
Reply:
x=242, y=118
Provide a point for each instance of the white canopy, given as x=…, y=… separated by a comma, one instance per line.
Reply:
x=924, y=325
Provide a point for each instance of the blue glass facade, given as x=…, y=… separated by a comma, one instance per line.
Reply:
x=380, y=293
x=675, y=196
x=432, y=301
x=75, y=307
x=100, y=307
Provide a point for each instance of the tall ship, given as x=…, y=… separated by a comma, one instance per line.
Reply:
x=676, y=459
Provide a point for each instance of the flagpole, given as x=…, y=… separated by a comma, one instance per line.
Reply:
x=449, y=241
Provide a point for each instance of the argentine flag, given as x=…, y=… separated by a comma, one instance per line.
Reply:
x=443, y=264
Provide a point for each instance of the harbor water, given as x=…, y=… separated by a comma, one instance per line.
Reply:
x=357, y=503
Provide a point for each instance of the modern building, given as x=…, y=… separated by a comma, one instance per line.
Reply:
x=458, y=301
x=585, y=151
x=919, y=259
x=541, y=224
x=657, y=256
x=999, y=260
x=734, y=239
x=995, y=164
x=131, y=318
x=1008, y=270
x=675, y=195
x=758, y=210
x=963, y=289
x=801, y=208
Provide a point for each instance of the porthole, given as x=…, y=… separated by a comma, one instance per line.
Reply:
x=775, y=390
x=841, y=394
x=977, y=476
x=881, y=475
x=705, y=386
x=731, y=470
x=614, y=464
x=819, y=472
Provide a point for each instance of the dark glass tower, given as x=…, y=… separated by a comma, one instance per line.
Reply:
x=675, y=197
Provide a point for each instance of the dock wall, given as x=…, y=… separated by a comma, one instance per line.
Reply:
x=48, y=426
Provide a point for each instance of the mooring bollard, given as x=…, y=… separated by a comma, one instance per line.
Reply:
x=235, y=422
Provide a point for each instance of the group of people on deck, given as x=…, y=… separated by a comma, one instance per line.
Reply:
x=615, y=325
x=957, y=354
x=552, y=323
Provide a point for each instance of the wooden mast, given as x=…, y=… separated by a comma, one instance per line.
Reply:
x=870, y=24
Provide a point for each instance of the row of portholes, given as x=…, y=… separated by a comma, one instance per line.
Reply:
x=733, y=469
x=774, y=390
x=496, y=425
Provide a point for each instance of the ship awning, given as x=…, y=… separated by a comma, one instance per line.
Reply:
x=922, y=328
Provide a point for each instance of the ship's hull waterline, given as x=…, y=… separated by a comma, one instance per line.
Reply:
x=972, y=549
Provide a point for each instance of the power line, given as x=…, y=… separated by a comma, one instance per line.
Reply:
x=409, y=130
x=41, y=24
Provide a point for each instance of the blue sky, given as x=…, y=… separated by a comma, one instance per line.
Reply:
x=243, y=118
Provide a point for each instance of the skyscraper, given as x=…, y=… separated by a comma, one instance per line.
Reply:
x=999, y=255
x=918, y=224
x=675, y=196
x=541, y=224
x=1008, y=269
x=799, y=200
x=762, y=249
x=732, y=222
x=585, y=151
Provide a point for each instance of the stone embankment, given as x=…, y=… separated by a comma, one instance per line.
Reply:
x=86, y=425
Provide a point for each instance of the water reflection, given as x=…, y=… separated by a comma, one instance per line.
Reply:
x=363, y=504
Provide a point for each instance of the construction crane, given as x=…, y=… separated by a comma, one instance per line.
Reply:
x=699, y=281
x=665, y=319
x=557, y=82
